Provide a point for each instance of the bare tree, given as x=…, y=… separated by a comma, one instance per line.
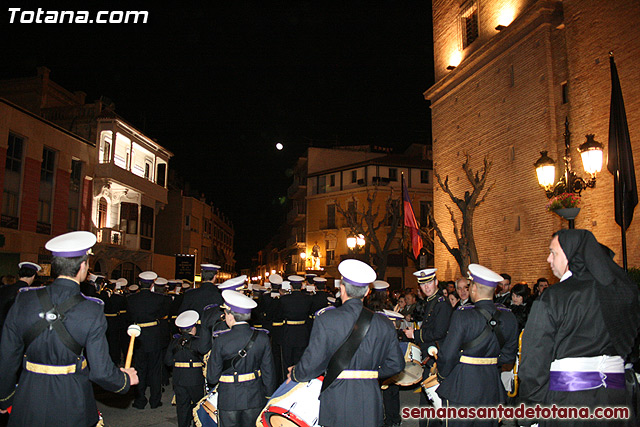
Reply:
x=465, y=253
x=368, y=221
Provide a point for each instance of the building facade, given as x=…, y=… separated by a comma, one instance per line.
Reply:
x=190, y=225
x=47, y=184
x=327, y=180
x=82, y=159
x=508, y=73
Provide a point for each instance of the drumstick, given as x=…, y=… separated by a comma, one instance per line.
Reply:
x=433, y=352
x=133, y=331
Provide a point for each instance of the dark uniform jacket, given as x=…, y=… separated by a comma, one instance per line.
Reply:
x=212, y=320
x=56, y=400
x=148, y=307
x=272, y=313
x=565, y=321
x=435, y=313
x=197, y=299
x=351, y=402
x=295, y=306
x=319, y=300
x=183, y=350
x=476, y=384
x=7, y=297
x=247, y=394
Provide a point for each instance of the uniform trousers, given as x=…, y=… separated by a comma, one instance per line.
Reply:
x=149, y=367
x=243, y=418
x=186, y=399
x=391, y=400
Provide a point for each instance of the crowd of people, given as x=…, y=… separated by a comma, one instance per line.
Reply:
x=242, y=341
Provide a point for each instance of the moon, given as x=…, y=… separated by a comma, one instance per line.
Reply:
x=279, y=146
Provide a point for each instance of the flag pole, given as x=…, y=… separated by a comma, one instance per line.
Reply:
x=402, y=237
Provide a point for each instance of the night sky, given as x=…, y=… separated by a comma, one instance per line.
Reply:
x=220, y=84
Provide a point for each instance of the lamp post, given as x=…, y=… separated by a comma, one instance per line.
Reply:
x=355, y=243
x=591, y=154
x=303, y=256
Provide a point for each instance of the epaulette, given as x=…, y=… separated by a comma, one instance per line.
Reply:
x=502, y=307
x=30, y=288
x=211, y=306
x=261, y=330
x=216, y=334
x=466, y=307
x=441, y=299
x=323, y=310
x=98, y=300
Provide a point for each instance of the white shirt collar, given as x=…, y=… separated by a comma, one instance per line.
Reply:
x=566, y=275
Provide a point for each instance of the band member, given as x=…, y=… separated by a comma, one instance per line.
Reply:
x=581, y=330
x=295, y=310
x=354, y=398
x=49, y=331
x=149, y=310
x=481, y=337
x=241, y=364
x=434, y=311
x=213, y=318
x=273, y=322
x=206, y=294
x=183, y=356
x=27, y=273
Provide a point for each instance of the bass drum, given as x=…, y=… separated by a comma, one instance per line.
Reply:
x=205, y=413
x=293, y=405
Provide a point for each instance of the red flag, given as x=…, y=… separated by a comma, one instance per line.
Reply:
x=410, y=221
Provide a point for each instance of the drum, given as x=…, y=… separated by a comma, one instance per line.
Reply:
x=293, y=405
x=205, y=413
x=412, y=373
x=430, y=385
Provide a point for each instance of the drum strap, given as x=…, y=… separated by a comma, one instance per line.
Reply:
x=231, y=362
x=492, y=326
x=341, y=358
x=53, y=317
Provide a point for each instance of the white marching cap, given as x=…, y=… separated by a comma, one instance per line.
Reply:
x=233, y=283
x=121, y=283
x=356, y=272
x=426, y=275
x=380, y=285
x=393, y=315
x=295, y=279
x=161, y=281
x=147, y=276
x=134, y=287
x=237, y=302
x=319, y=280
x=209, y=267
x=31, y=265
x=70, y=245
x=484, y=276
x=187, y=319
x=276, y=279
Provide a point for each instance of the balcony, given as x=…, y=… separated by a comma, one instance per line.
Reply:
x=109, y=236
x=110, y=171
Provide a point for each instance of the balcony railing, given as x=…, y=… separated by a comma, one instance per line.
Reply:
x=109, y=236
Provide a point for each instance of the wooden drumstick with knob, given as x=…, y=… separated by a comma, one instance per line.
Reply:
x=133, y=331
x=433, y=352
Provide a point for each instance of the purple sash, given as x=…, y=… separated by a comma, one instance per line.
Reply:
x=578, y=381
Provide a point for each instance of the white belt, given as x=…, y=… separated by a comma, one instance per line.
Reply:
x=608, y=364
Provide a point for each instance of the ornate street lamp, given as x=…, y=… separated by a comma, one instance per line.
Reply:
x=352, y=241
x=591, y=153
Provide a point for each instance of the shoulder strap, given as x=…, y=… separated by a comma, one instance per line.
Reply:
x=53, y=316
x=492, y=326
x=228, y=363
x=341, y=358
